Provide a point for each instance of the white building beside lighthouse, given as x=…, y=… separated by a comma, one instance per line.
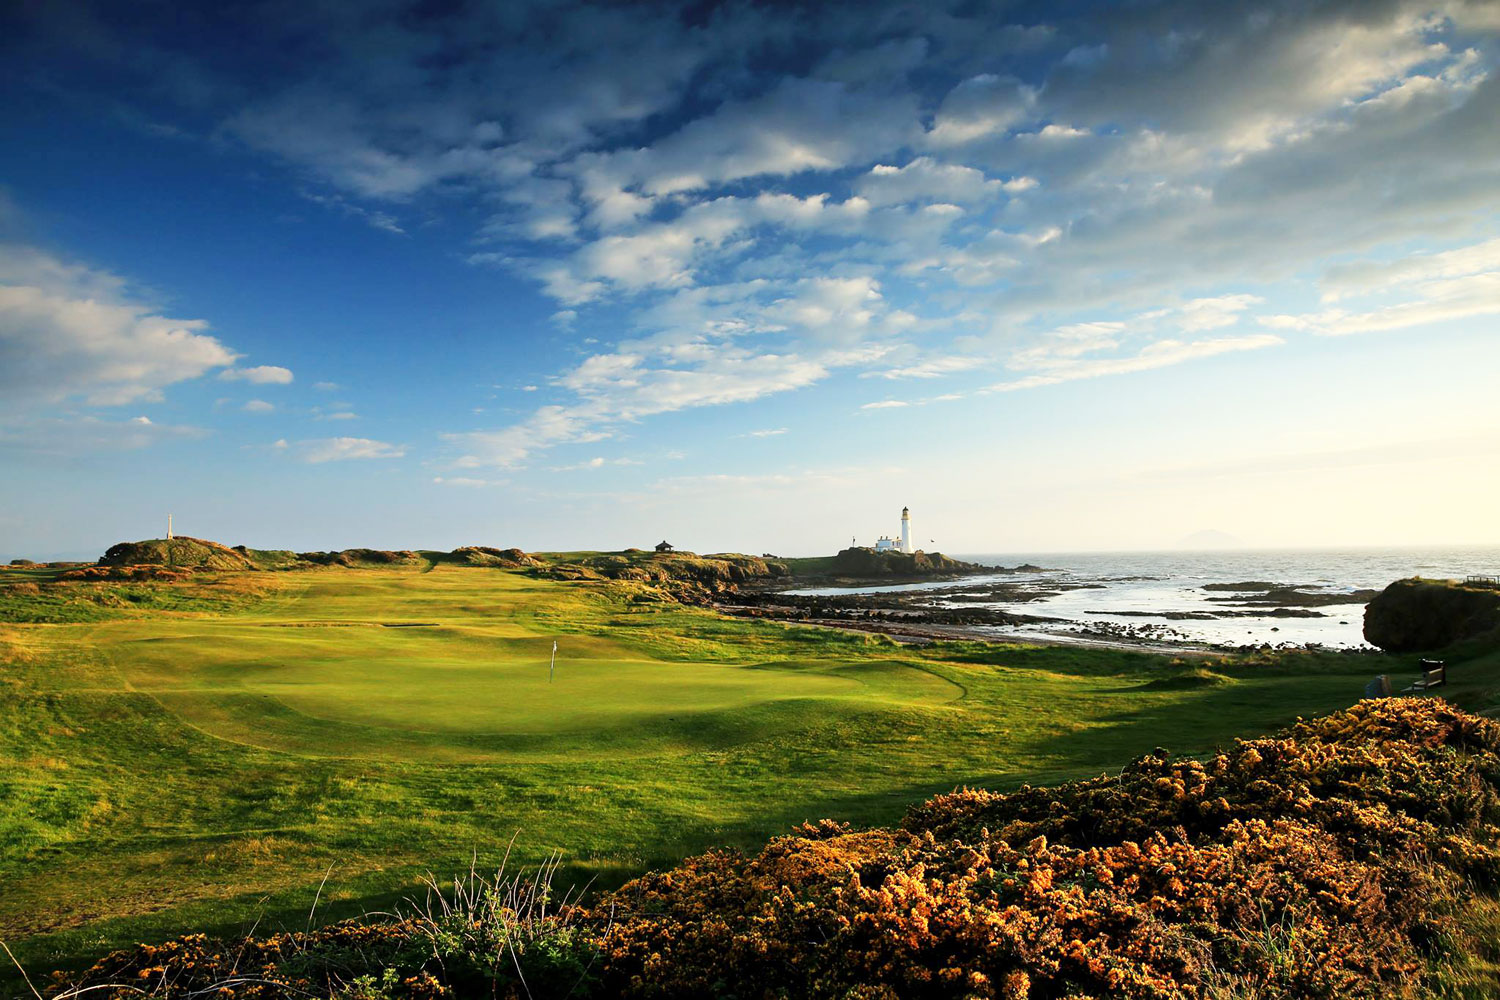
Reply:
x=886, y=543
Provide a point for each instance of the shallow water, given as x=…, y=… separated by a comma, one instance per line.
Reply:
x=1153, y=584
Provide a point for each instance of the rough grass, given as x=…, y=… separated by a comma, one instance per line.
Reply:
x=1352, y=857
x=208, y=765
x=44, y=598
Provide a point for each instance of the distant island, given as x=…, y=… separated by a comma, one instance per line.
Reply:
x=1210, y=539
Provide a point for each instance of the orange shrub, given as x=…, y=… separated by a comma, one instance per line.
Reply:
x=1326, y=861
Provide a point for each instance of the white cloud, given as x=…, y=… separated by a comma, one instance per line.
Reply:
x=1440, y=301
x=885, y=404
x=1161, y=354
x=931, y=367
x=838, y=309
x=1198, y=315
x=927, y=180
x=258, y=406
x=980, y=107
x=1371, y=276
x=798, y=125
x=339, y=449
x=620, y=388
x=597, y=462
x=765, y=433
x=510, y=446
x=327, y=386
x=260, y=375
x=1062, y=345
x=69, y=332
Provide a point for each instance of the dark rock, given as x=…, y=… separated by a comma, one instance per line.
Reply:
x=866, y=563
x=1417, y=615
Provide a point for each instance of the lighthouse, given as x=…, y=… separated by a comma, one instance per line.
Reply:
x=906, y=530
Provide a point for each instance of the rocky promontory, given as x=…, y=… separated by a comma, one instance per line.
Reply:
x=1418, y=615
x=867, y=563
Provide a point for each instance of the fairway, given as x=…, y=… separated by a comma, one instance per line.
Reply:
x=210, y=759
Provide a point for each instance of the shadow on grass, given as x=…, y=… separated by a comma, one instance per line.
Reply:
x=318, y=904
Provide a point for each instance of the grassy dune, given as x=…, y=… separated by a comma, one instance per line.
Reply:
x=206, y=756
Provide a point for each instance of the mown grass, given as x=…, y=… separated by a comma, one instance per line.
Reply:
x=208, y=762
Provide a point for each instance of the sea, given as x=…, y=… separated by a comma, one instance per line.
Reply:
x=1142, y=592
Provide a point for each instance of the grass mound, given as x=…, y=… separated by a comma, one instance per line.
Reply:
x=181, y=553
x=1193, y=677
x=1335, y=859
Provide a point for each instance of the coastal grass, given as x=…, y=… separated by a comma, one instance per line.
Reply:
x=235, y=748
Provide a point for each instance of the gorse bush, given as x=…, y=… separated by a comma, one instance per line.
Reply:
x=1337, y=859
x=1326, y=862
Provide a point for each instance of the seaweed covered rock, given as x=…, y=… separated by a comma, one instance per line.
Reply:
x=1417, y=615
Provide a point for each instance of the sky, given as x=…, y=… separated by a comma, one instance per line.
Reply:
x=749, y=277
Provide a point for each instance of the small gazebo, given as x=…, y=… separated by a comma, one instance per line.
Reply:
x=664, y=546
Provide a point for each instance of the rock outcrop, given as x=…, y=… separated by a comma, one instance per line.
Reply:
x=866, y=563
x=484, y=555
x=688, y=577
x=1417, y=615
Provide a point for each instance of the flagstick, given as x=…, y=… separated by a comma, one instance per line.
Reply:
x=553, y=666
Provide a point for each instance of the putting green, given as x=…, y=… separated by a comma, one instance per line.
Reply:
x=380, y=663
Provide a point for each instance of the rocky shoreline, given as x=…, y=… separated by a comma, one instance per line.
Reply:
x=963, y=609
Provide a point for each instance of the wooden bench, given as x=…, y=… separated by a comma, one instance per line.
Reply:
x=1434, y=674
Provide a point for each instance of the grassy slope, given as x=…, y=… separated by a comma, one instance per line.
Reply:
x=164, y=770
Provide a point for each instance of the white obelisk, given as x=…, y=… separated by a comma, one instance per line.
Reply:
x=906, y=529
x=169, y=527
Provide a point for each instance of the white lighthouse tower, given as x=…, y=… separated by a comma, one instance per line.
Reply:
x=906, y=530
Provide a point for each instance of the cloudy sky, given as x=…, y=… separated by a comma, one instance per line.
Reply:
x=749, y=276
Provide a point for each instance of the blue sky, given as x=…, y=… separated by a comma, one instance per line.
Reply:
x=749, y=277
